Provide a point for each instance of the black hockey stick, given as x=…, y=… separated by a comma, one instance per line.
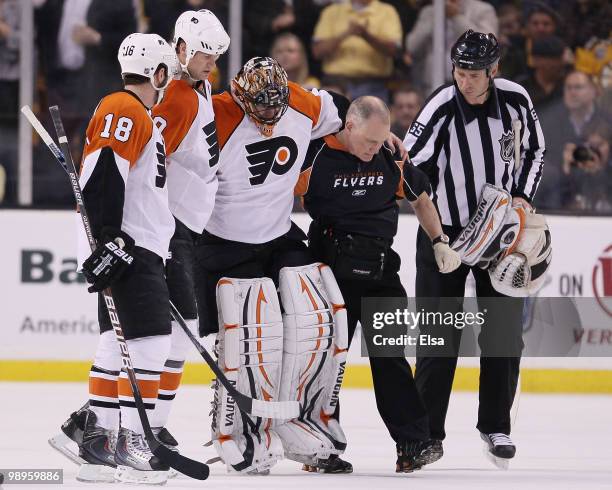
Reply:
x=253, y=406
x=189, y=467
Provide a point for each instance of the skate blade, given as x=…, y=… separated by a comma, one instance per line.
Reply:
x=501, y=463
x=96, y=473
x=172, y=473
x=127, y=474
x=61, y=442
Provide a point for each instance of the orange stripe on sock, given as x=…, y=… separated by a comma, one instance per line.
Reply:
x=103, y=387
x=148, y=388
x=170, y=381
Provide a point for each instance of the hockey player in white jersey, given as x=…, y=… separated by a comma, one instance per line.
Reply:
x=187, y=121
x=248, y=248
x=123, y=167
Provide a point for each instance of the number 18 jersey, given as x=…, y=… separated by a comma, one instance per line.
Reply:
x=131, y=186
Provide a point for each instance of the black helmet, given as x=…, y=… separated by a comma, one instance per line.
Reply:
x=475, y=51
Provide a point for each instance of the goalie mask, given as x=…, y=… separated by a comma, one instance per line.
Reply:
x=261, y=89
x=143, y=54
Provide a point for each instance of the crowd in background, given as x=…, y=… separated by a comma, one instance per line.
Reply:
x=559, y=50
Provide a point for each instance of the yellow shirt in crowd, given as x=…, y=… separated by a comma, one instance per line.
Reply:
x=355, y=57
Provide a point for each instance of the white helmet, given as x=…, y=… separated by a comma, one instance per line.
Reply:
x=141, y=54
x=201, y=31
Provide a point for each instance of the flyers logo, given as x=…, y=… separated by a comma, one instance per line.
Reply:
x=210, y=130
x=277, y=155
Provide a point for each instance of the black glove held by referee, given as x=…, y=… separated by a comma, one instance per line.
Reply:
x=109, y=260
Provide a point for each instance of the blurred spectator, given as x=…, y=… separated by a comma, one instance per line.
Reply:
x=461, y=15
x=9, y=99
x=357, y=42
x=567, y=123
x=107, y=24
x=541, y=22
x=405, y=105
x=589, y=172
x=161, y=15
x=262, y=21
x=545, y=82
x=585, y=20
x=289, y=51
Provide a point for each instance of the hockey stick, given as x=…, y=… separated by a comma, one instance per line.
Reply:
x=516, y=128
x=253, y=406
x=189, y=467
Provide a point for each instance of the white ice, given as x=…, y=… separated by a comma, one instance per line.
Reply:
x=563, y=441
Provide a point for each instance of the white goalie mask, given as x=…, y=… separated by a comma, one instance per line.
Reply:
x=142, y=54
x=201, y=31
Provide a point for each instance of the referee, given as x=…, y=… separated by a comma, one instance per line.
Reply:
x=463, y=139
x=350, y=184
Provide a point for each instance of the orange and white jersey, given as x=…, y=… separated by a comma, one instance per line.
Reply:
x=257, y=174
x=187, y=121
x=126, y=185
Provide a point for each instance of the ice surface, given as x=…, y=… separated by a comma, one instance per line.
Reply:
x=563, y=441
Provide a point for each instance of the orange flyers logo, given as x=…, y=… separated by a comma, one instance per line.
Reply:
x=276, y=155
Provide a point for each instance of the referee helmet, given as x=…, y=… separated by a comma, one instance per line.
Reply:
x=475, y=51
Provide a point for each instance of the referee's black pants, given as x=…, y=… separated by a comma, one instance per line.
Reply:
x=397, y=397
x=498, y=373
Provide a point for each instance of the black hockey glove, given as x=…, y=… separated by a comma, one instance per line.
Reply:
x=109, y=260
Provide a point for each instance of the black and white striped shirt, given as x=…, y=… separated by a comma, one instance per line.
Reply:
x=461, y=147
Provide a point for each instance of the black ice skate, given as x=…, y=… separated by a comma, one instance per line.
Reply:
x=70, y=438
x=333, y=464
x=97, y=450
x=499, y=449
x=163, y=435
x=135, y=461
x=413, y=455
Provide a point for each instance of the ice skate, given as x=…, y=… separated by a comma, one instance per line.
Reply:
x=97, y=450
x=333, y=464
x=413, y=455
x=70, y=438
x=499, y=449
x=163, y=435
x=135, y=461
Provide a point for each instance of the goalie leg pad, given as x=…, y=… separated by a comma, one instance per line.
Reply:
x=314, y=360
x=249, y=349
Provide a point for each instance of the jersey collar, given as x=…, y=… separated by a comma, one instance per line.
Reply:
x=468, y=112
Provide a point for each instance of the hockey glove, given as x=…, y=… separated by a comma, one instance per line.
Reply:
x=109, y=260
x=446, y=258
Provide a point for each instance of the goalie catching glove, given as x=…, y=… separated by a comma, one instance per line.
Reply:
x=109, y=260
x=513, y=244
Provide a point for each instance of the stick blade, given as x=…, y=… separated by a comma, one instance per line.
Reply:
x=186, y=466
x=275, y=410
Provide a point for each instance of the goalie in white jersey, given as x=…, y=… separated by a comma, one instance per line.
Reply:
x=250, y=246
x=187, y=121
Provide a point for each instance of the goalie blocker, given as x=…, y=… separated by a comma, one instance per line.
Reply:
x=297, y=353
x=512, y=244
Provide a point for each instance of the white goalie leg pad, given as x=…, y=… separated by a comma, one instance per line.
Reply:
x=314, y=360
x=250, y=349
x=493, y=229
x=523, y=271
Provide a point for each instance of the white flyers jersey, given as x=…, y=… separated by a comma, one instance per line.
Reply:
x=124, y=124
x=257, y=174
x=187, y=121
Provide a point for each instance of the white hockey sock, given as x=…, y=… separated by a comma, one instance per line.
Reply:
x=148, y=355
x=170, y=379
x=103, y=395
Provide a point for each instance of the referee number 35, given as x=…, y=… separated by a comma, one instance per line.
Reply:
x=416, y=129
